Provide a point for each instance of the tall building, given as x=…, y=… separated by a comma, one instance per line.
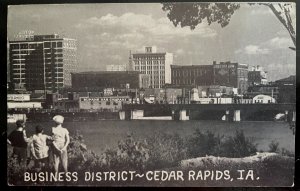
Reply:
x=156, y=64
x=227, y=74
x=42, y=62
x=257, y=76
x=193, y=75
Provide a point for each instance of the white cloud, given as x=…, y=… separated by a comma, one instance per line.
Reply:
x=252, y=50
x=165, y=27
x=280, y=43
x=130, y=36
x=140, y=23
x=126, y=20
x=179, y=51
x=116, y=57
x=266, y=47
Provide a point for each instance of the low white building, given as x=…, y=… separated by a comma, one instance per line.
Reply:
x=111, y=103
x=24, y=105
x=263, y=99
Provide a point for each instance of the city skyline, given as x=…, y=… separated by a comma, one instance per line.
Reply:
x=106, y=34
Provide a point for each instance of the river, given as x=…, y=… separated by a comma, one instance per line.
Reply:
x=101, y=134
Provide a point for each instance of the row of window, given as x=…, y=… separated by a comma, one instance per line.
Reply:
x=183, y=81
x=150, y=62
x=25, y=46
x=53, y=44
x=195, y=72
x=137, y=68
x=53, y=50
x=149, y=57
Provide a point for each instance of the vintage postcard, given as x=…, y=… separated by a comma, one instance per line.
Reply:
x=151, y=94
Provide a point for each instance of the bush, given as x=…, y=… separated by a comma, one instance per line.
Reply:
x=237, y=146
x=15, y=171
x=156, y=152
x=130, y=154
x=202, y=144
x=285, y=152
x=165, y=150
x=79, y=157
x=274, y=147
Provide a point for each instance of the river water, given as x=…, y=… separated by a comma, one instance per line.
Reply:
x=101, y=134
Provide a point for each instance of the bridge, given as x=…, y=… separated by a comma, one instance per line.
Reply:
x=231, y=112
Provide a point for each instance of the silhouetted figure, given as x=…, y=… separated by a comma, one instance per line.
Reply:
x=19, y=140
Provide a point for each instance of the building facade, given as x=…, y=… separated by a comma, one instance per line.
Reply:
x=156, y=64
x=107, y=103
x=109, y=79
x=165, y=95
x=193, y=75
x=257, y=76
x=231, y=75
x=270, y=90
x=287, y=89
x=227, y=74
x=42, y=62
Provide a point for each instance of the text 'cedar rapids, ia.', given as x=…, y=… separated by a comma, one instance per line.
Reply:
x=190, y=175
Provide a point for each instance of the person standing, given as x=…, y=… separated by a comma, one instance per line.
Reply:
x=61, y=141
x=39, y=148
x=19, y=140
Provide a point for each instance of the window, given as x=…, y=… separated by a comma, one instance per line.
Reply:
x=47, y=44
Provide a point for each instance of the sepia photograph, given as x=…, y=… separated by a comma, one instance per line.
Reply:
x=185, y=94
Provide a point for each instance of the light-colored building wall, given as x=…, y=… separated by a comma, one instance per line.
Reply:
x=168, y=63
x=157, y=65
x=112, y=103
x=144, y=81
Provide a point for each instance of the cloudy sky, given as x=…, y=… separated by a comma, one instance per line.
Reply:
x=107, y=32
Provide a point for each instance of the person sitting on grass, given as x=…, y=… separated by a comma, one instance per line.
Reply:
x=61, y=141
x=39, y=148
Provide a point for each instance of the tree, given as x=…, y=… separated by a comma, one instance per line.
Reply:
x=192, y=14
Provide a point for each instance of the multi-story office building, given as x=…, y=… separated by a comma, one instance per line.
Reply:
x=224, y=74
x=156, y=64
x=231, y=75
x=193, y=75
x=257, y=76
x=42, y=62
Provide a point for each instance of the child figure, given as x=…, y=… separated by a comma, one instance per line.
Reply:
x=19, y=140
x=61, y=141
x=39, y=148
